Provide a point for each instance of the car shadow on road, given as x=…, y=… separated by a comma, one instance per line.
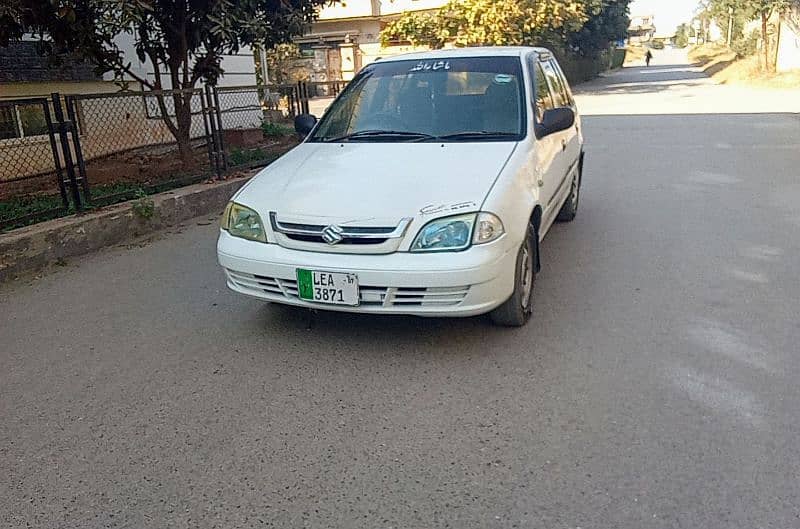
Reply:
x=389, y=326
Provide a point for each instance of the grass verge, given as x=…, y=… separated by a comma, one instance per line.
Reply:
x=725, y=67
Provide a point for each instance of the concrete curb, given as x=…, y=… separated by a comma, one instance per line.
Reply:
x=33, y=248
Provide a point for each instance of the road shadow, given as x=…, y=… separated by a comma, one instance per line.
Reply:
x=336, y=324
x=640, y=88
x=715, y=68
x=643, y=80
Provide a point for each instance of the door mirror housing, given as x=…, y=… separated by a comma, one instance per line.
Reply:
x=555, y=120
x=304, y=123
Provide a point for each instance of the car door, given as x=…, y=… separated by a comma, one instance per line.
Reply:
x=558, y=187
x=574, y=141
x=547, y=167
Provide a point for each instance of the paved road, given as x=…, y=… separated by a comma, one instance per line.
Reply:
x=657, y=387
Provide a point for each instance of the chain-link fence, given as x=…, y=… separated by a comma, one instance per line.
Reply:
x=63, y=154
x=134, y=141
x=31, y=176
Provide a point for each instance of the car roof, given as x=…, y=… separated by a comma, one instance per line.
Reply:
x=483, y=51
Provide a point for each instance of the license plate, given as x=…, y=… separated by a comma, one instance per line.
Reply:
x=327, y=287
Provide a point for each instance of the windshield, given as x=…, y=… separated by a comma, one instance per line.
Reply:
x=462, y=99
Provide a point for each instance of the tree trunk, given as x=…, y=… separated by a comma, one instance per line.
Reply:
x=765, y=39
x=183, y=116
x=180, y=127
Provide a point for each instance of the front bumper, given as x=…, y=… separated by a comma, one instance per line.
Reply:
x=434, y=284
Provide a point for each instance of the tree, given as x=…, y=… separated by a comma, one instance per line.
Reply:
x=416, y=28
x=584, y=27
x=743, y=12
x=682, y=35
x=184, y=40
x=487, y=23
x=764, y=9
x=607, y=22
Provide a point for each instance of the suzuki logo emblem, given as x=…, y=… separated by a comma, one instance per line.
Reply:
x=332, y=234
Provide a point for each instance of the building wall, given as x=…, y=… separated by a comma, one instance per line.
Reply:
x=21, y=62
x=240, y=69
x=393, y=7
x=350, y=9
x=356, y=23
x=18, y=90
x=789, y=46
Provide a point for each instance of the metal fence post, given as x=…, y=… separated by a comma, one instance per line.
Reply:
x=212, y=155
x=299, y=90
x=51, y=133
x=214, y=137
x=66, y=150
x=304, y=97
x=292, y=101
x=76, y=142
x=220, y=128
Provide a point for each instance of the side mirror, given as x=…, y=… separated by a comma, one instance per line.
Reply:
x=303, y=124
x=556, y=120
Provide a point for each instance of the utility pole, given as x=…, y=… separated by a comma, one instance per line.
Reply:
x=262, y=58
x=730, y=25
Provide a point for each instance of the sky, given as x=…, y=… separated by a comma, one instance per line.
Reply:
x=669, y=13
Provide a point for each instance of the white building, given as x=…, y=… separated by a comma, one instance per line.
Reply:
x=346, y=37
x=788, y=53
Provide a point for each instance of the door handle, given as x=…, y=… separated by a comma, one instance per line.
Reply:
x=563, y=145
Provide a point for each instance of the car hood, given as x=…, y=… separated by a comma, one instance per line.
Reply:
x=363, y=181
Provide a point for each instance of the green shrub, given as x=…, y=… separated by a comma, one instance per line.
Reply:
x=618, y=58
x=144, y=207
x=746, y=46
x=275, y=129
x=242, y=157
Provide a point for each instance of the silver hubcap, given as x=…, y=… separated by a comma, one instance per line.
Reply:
x=526, y=273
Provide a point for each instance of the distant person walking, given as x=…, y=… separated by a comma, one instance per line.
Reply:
x=648, y=57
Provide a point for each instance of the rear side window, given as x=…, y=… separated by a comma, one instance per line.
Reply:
x=564, y=81
x=544, y=100
x=560, y=95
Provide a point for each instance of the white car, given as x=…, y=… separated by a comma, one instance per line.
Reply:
x=425, y=189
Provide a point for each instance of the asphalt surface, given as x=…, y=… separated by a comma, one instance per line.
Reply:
x=656, y=387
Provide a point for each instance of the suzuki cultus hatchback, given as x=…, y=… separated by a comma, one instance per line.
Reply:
x=425, y=189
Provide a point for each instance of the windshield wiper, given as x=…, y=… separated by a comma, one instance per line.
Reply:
x=366, y=134
x=479, y=134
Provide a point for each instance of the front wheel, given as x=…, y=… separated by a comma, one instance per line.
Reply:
x=517, y=310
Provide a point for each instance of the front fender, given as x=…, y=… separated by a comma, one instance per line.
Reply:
x=516, y=194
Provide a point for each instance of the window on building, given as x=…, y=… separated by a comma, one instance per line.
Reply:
x=22, y=121
x=8, y=123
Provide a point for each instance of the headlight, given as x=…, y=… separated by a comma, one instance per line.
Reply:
x=449, y=233
x=488, y=228
x=243, y=222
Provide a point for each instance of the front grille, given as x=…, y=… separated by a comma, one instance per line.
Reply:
x=338, y=238
x=370, y=296
x=359, y=230
x=319, y=240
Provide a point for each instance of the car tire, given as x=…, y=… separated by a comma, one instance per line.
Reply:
x=517, y=310
x=570, y=208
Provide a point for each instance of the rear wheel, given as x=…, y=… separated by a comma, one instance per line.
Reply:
x=517, y=310
x=570, y=208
